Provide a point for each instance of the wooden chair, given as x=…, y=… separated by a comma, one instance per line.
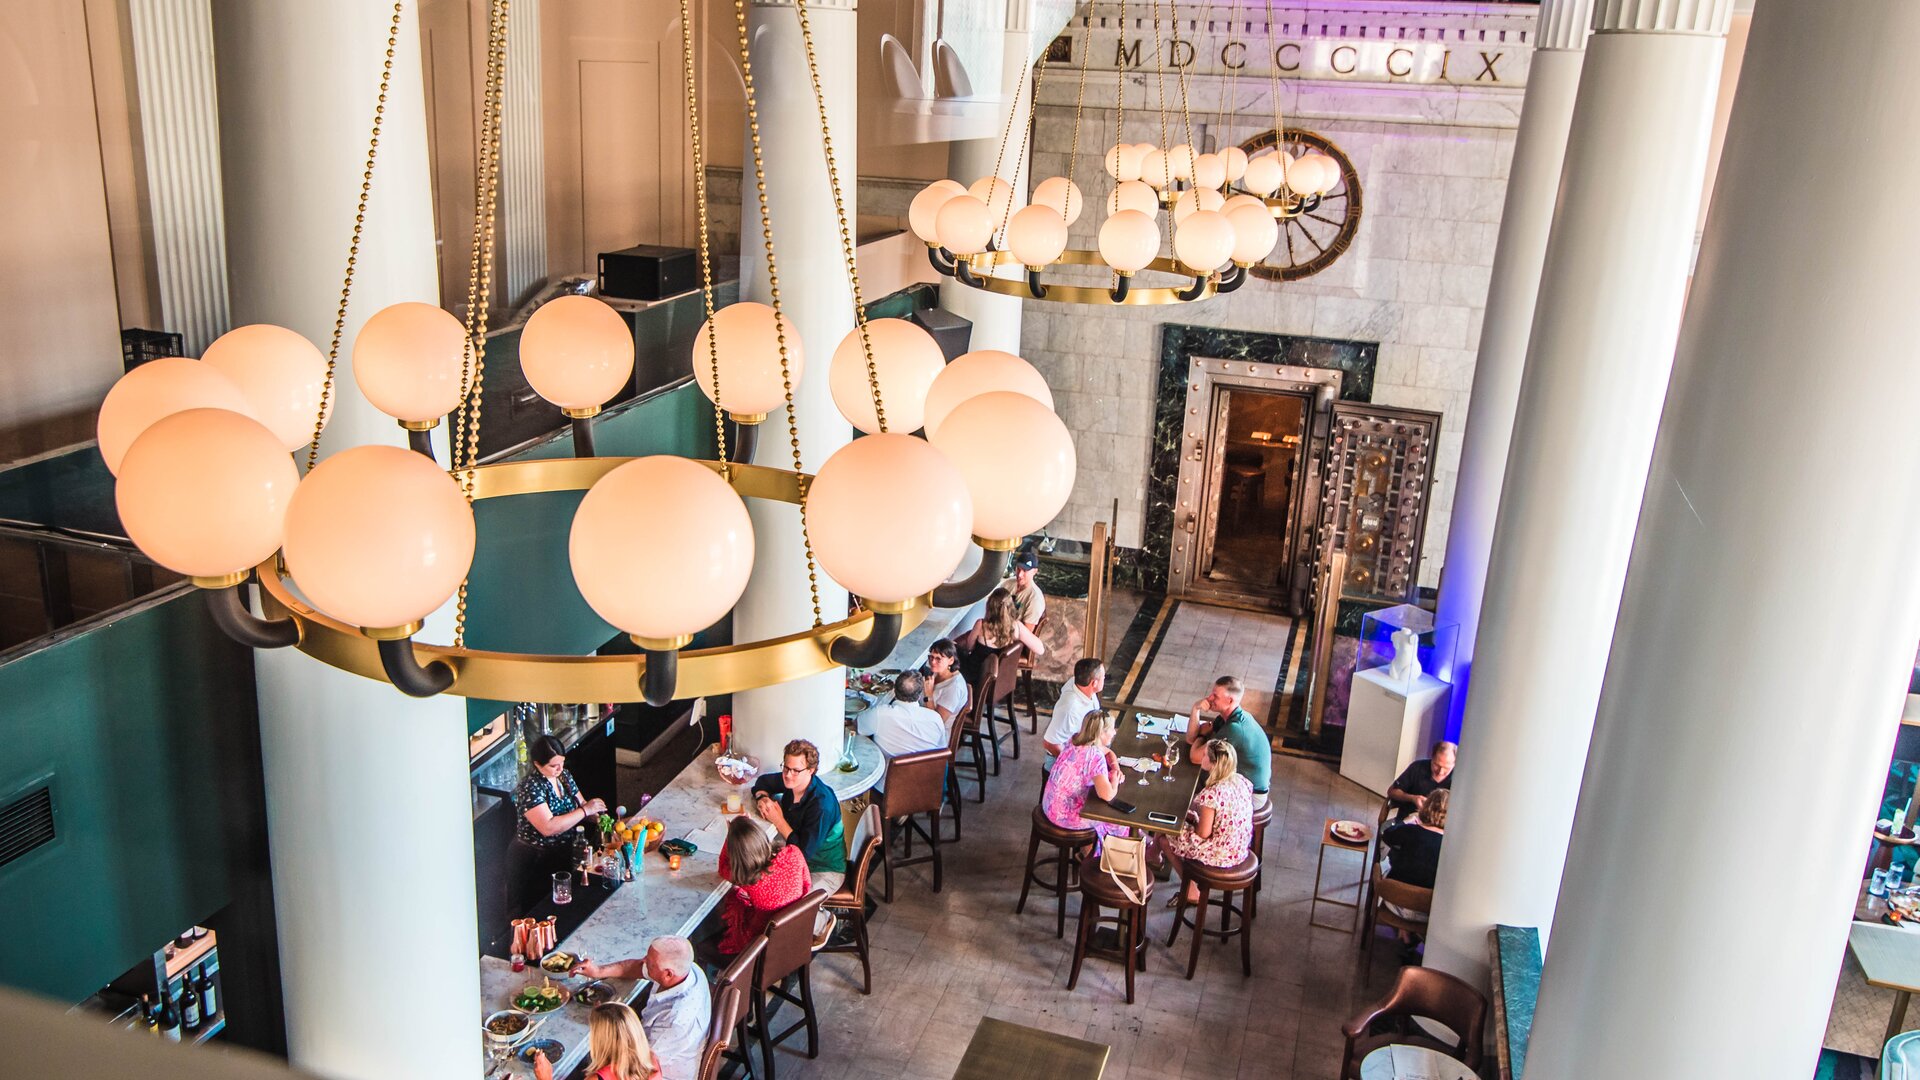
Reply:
x=739, y=977
x=1129, y=920
x=1385, y=891
x=850, y=903
x=789, y=955
x=967, y=736
x=1067, y=845
x=1423, y=993
x=1027, y=661
x=729, y=1009
x=997, y=686
x=916, y=784
x=1217, y=885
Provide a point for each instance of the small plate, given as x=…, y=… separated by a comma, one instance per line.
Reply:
x=594, y=993
x=558, y=962
x=1348, y=832
x=553, y=1048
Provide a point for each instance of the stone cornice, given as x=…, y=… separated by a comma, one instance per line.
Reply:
x=1564, y=24
x=1663, y=16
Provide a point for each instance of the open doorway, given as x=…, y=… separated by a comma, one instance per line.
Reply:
x=1259, y=436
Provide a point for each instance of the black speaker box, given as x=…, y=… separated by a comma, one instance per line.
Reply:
x=950, y=330
x=648, y=273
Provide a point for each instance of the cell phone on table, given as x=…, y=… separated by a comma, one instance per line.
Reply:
x=1159, y=818
x=1122, y=805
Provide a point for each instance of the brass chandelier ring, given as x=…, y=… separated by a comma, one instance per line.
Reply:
x=987, y=261
x=560, y=679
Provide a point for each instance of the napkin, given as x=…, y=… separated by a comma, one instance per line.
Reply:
x=1151, y=725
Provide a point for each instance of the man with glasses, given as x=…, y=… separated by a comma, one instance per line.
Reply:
x=805, y=812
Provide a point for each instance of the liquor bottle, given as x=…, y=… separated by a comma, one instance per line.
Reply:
x=189, y=1005
x=203, y=982
x=582, y=853
x=149, y=1016
x=169, y=1020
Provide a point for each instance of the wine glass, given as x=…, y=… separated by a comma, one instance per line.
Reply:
x=1173, y=754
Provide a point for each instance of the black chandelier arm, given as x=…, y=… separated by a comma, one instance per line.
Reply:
x=1308, y=204
x=583, y=436
x=963, y=271
x=1118, y=294
x=942, y=260
x=1034, y=288
x=421, y=442
x=879, y=642
x=404, y=670
x=231, y=614
x=742, y=440
x=975, y=586
x=1232, y=280
x=662, y=674
x=1194, y=291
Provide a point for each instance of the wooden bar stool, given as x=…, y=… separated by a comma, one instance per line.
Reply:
x=741, y=978
x=1361, y=847
x=1097, y=890
x=1217, y=884
x=1066, y=844
x=729, y=1009
x=916, y=784
x=1262, y=817
x=789, y=955
x=850, y=903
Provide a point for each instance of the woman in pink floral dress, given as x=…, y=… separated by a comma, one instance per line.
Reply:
x=1086, y=767
x=1219, y=828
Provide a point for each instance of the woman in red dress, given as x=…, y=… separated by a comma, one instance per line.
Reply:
x=764, y=881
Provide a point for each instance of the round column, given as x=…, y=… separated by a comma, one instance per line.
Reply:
x=816, y=295
x=1456, y=942
x=369, y=809
x=1611, y=292
x=1767, y=627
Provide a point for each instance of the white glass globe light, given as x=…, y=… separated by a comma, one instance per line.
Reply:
x=965, y=225
x=924, y=211
x=1155, y=169
x=1255, y=232
x=1209, y=171
x=1180, y=159
x=1235, y=202
x=407, y=360
x=577, y=352
x=906, y=360
x=1122, y=162
x=661, y=575
x=1310, y=174
x=282, y=375
x=979, y=372
x=906, y=543
x=1265, y=173
x=379, y=537
x=1203, y=241
x=1037, y=235
x=1329, y=174
x=1017, y=458
x=1194, y=199
x=1129, y=240
x=204, y=492
x=997, y=194
x=749, y=354
x=1062, y=194
x=155, y=390
x=1134, y=195
x=1236, y=162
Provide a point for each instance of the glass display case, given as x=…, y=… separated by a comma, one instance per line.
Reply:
x=1404, y=647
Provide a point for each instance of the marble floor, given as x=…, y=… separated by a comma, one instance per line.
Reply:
x=943, y=961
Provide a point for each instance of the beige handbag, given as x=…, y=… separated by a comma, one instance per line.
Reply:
x=1124, y=858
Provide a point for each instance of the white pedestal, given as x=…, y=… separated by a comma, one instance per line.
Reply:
x=1385, y=726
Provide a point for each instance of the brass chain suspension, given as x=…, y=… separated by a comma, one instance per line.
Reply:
x=706, y=255
x=1006, y=130
x=1160, y=100
x=1079, y=98
x=1273, y=90
x=773, y=290
x=1180, y=71
x=475, y=299
x=1229, y=102
x=1020, y=153
x=840, y=212
x=353, y=247
x=1119, y=99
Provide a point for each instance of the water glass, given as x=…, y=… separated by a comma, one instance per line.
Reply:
x=563, y=887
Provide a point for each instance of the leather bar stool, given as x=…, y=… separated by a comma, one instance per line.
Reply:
x=1262, y=817
x=1217, y=885
x=740, y=977
x=1066, y=844
x=850, y=903
x=1097, y=891
x=729, y=1009
x=916, y=784
x=789, y=955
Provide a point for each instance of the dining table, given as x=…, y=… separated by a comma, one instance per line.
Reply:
x=1889, y=958
x=1399, y=1061
x=1158, y=800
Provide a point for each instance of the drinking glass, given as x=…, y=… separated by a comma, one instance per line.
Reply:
x=1173, y=755
x=563, y=887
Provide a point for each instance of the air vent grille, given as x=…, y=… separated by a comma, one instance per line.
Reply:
x=26, y=823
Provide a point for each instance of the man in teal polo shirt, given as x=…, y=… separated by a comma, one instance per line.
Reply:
x=1239, y=728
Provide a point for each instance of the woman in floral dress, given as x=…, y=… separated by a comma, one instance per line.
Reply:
x=1086, y=767
x=1219, y=828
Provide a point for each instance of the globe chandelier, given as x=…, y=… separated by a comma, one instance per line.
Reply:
x=1221, y=209
x=352, y=555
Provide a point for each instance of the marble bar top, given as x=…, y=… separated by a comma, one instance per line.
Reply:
x=940, y=622
x=658, y=902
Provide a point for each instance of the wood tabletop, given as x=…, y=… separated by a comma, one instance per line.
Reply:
x=1159, y=795
x=1003, y=1051
x=1889, y=956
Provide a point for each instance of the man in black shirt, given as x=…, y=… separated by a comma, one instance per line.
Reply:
x=1422, y=778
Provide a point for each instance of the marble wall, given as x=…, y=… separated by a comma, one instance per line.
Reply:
x=1432, y=162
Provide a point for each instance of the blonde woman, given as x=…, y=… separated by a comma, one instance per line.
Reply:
x=997, y=629
x=1086, y=767
x=1219, y=828
x=616, y=1047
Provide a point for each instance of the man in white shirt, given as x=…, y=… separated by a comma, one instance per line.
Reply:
x=1076, y=700
x=946, y=690
x=900, y=724
x=678, y=1011
x=1029, y=603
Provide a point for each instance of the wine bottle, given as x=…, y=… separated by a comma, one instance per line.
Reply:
x=169, y=1020
x=149, y=1016
x=203, y=981
x=189, y=1004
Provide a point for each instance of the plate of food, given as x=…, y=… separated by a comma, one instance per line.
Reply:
x=559, y=962
x=594, y=993
x=507, y=1026
x=541, y=999
x=1348, y=832
x=553, y=1048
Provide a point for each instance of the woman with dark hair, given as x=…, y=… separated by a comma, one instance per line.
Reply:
x=549, y=804
x=767, y=875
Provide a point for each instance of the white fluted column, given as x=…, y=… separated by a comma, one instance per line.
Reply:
x=523, y=157
x=1611, y=293
x=815, y=294
x=1769, y=616
x=1456, y=941
x=369, y=809
x=180, y=140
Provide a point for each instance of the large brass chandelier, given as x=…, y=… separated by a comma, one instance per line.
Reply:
x=352, y=556
x=977, y=234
